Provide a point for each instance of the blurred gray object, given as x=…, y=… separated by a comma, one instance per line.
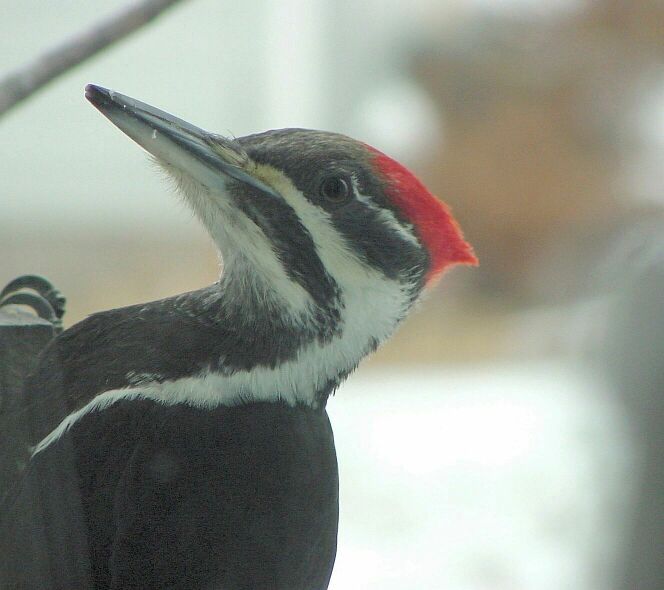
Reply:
x=23, y=335
x=634, y=355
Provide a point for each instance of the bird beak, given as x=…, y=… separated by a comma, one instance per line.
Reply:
x=174, y=141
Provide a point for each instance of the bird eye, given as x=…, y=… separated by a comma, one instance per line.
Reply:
x=336, y=189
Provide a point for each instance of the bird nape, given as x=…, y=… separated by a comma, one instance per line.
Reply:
x=184, y=443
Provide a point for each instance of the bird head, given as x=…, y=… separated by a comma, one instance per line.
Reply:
x=318, y=229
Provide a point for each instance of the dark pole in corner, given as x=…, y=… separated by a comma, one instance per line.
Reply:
x=23, y=335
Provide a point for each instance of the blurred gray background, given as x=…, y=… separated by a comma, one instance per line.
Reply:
x=508, y=436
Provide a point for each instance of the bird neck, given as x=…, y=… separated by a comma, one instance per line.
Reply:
x=302, y=352
x=240, y=343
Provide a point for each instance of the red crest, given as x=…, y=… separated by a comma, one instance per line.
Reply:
x=433, y=221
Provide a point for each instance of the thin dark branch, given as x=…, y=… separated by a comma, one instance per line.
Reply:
x=27, y=80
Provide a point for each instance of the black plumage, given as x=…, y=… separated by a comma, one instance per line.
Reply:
x=175, y=497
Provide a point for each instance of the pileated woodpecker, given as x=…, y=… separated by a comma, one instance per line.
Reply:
x=186, y=444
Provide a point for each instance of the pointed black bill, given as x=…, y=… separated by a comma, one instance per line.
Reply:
x=173, y=140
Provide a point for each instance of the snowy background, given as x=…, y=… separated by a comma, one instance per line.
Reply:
x=497, y=477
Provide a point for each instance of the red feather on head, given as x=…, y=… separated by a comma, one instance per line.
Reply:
x=433, y=221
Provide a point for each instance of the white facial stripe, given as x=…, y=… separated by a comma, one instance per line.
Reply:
x=407, y=233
